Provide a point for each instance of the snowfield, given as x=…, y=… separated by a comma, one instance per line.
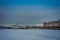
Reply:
x=29, y=34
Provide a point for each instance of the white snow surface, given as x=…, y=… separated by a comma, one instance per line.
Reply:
x=29, y=34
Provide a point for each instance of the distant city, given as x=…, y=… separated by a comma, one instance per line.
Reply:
x=48, y=25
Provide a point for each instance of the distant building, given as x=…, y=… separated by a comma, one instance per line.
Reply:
x=59, y=23
x=17, y=25
x=52, y=24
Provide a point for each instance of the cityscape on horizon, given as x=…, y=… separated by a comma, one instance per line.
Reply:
x=29, y=19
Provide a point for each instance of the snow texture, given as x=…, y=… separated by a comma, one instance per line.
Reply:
x=29, y=34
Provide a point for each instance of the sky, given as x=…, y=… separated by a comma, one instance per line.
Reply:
x=29, y=11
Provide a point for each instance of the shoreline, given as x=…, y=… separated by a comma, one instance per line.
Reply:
x=49, y=28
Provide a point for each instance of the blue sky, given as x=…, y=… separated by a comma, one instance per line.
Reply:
x=29, y=11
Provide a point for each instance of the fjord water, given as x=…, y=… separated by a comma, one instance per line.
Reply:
x=29, y=34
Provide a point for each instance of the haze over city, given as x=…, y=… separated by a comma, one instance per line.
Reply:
x=29, y=11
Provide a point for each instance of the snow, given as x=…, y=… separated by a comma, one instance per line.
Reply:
x=29, y=34
x=37, y=25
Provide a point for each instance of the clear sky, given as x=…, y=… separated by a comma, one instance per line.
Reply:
x=29, y=11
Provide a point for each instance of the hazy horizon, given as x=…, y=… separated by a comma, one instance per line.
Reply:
x=29, y=11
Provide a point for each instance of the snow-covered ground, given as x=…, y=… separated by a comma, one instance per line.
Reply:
x=29, y=34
